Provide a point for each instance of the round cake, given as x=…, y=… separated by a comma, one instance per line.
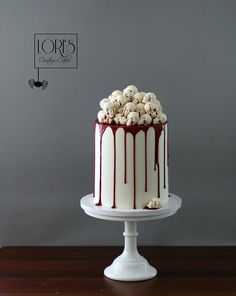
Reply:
x=131, y=151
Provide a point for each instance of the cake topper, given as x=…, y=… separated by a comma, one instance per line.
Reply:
x=131, y=107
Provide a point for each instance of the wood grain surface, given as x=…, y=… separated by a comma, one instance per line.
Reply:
x=70, y=271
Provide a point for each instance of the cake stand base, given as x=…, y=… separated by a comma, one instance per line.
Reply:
x=130, y=265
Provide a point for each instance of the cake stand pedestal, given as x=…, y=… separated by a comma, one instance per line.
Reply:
x=130, y=265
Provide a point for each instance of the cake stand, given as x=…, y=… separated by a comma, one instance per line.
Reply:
x=130, y=265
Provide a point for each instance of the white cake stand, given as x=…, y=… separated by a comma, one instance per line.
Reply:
x=130, y=265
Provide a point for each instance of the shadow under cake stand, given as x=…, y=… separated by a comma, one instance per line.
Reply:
x=130, y=265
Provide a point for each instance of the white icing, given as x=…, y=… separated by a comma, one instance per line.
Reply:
x=124, y=192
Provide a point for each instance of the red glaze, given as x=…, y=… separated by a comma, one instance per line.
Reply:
x=134, y=129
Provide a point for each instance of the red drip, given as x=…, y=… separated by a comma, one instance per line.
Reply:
x=134, y=173
x=164, y=129
x=114, y=169
x=102, y=129
x=145, y=189
x=125, y=157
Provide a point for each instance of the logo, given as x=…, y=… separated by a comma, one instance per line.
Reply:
x=56, y=51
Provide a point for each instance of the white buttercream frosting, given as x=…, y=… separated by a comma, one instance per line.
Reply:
x=131, y=107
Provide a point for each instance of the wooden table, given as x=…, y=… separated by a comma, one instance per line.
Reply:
x=70, y=271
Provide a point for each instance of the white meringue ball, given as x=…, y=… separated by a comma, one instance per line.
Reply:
x=149, y=97
x=140, y=109
x=117, y=118
x=116, y=101
x=140, y=121
x=157, y=102
x=122, y=99
x=102, y=117
x=162, y=117
x=152, y=109
x=103, y=102
x=147, y=119
x=132, y=118
x=129, y=107
x=116, y=92
x=156, y=120
x=130, y=91
x=120, y=110
x=154, y=203
x=108, y=108
x=123, y=120
x=138, y=97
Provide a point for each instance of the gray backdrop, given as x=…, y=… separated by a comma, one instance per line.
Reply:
x=185, y=51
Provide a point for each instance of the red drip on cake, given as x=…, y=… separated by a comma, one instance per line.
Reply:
x=134, y=129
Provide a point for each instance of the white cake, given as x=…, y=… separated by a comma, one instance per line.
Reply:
x=131, y=152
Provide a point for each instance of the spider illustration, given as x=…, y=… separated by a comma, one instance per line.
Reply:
x=38, y=83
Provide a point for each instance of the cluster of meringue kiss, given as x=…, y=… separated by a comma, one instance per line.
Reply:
x=131, y=107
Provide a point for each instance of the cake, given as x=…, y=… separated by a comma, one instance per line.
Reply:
x=131, y=151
